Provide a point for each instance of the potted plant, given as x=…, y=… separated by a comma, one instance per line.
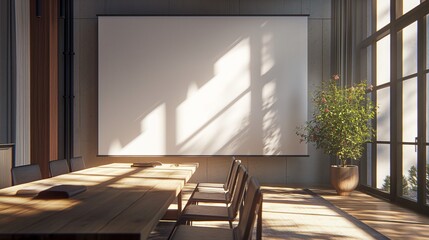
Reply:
x=340, y=125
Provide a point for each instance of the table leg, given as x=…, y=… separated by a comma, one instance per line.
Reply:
x=174, y=214
x=179, y=204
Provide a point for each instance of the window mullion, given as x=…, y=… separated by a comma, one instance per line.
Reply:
x=421, y=64
x=395, y=108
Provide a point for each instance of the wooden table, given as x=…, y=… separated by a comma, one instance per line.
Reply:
x=121, y=202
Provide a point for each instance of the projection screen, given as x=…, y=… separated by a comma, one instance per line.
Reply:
x=201, y=85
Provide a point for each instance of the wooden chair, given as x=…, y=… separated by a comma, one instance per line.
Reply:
x=218, y=213
x=26, y=173
x=243, y=231
x=77, y=164
x=224, y=186
x=219, y=195
x=58, y=167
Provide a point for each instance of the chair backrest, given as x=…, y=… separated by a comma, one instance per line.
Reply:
x=77, y=164
x=233, y=177
x=252, y=203
x=26, y=173
x=231, y=168
x=58, y=167
x=237, y=196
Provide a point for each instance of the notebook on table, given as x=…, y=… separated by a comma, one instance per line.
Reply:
x=61, y=191
x=30, y=191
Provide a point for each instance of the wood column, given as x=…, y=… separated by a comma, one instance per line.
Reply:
x=44, y=82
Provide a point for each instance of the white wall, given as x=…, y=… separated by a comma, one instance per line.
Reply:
x=303, y=171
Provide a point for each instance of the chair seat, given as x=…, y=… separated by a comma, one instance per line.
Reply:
x=210, y=197
x=205, y=213
x=186, y=232
x=211, y=185
x=221, y=187
x=210, y=190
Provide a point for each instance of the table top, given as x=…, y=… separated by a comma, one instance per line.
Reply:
x=120, y=201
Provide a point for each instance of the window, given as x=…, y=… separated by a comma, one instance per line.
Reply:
x=401, y=92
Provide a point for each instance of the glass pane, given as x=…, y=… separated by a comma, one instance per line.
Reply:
x=427, y=110
x=409, y=110
x=383, y=114
x=427, y=176
x=383, y=13
x=409, y=49
x=427, y=140
x=409, y=172
x=408, y=5
x=367, y=166
x=427, y=41
x=383, y=167
x=383, y=60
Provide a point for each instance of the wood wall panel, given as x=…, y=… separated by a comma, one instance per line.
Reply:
x=53, y=77
x=44, y=83
x=6, y=159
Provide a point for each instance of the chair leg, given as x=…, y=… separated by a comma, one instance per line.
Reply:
x=190, y=202
x=181, y=221
x=259, y=222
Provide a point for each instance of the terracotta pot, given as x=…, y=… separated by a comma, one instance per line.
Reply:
x=344, y=179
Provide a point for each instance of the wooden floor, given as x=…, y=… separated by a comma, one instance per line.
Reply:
x=295, y=213
x=389, y=219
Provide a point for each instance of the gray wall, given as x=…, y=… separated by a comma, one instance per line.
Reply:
x=301, y=171
x=15, y=78
x=4, y=72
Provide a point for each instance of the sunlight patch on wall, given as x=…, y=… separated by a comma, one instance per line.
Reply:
x=223, y=134
x=151, y=140
x=271, y=127
x=267, y=53
x=199, y=114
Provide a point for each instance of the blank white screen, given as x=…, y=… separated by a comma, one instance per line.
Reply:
x=201, y=85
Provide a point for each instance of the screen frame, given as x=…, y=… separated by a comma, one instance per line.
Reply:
x=200, y=15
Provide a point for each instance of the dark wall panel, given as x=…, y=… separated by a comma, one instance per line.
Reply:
x=5, y=81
